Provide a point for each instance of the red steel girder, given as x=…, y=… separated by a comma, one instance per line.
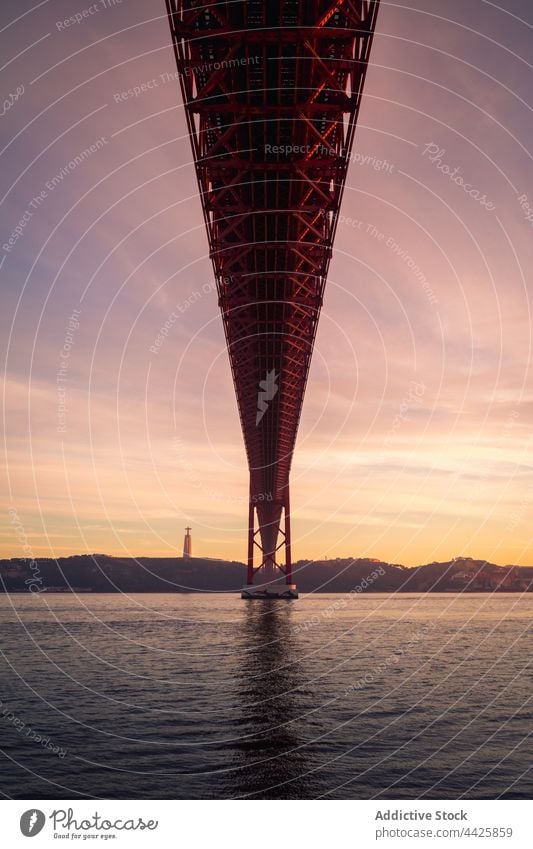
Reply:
x=272, y=90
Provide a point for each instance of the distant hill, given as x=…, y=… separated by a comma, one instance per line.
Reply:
x=102, y=573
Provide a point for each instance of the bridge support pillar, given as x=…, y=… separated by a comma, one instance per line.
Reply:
x=269, y=579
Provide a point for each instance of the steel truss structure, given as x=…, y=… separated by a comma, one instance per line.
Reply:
x=271, y=92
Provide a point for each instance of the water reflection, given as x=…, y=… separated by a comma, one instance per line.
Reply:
x=270, y=750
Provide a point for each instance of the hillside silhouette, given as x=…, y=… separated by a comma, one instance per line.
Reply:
x=105, y=574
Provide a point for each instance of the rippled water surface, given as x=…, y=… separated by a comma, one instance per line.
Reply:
x=405, y=696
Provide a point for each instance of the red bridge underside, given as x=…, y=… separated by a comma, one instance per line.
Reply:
x=271, y=93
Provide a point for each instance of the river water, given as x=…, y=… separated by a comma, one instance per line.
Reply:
x=207, y=696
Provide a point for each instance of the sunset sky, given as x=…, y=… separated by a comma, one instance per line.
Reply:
x=416, y=437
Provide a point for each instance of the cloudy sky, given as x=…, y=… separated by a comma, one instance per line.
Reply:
x=415, y=441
